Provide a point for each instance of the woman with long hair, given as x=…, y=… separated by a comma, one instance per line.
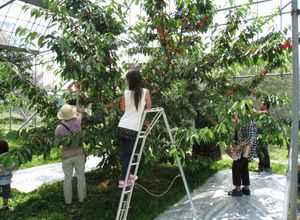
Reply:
x=133, y=103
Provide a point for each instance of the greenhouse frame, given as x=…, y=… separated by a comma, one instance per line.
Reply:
x=19, y=15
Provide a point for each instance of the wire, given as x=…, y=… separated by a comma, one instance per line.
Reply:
x=165, y=192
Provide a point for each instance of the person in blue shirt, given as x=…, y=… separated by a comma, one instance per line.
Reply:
x=5, y=177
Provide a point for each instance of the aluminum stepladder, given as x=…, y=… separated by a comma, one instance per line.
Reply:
x=124, y=203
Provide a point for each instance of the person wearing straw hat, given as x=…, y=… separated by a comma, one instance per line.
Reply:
x=72, y=156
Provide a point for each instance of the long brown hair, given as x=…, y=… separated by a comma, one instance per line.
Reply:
x=135, y=84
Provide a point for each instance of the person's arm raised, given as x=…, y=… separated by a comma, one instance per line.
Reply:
x=122, y=105
x=148, y=100
x=70, y=87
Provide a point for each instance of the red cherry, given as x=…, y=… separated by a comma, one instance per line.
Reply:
x=287, y=44
x=229, y=93
x=87, y=14
x=109, y=59
x=159, y=29
x=162, y=35
x=184, y=21
x=264, y=72
x=168, y=40
x=110, y=106
x=168, y=46
x=233, y=86
x=201, y=24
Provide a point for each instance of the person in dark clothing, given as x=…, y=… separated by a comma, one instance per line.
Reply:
x=262, y=149
x=207, y=150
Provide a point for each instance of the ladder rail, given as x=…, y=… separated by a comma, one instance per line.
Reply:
x=153, y=122
x=121, y=214
x=124, y=204
x=156, y=109
x=180, y=168
x=134, y=173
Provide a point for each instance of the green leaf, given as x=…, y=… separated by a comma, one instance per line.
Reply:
x=41, y=41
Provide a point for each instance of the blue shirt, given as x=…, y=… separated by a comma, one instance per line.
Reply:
x=5, y=177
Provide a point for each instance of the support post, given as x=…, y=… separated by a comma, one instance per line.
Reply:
x=290, y=202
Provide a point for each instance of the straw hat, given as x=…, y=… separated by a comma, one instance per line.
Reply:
x=67, y=112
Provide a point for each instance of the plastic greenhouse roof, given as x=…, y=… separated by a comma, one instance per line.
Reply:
x=12, y=16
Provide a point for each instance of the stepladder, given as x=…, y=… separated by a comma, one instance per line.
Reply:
x=144, y=131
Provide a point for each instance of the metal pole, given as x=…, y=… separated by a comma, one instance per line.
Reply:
x=28, y=120
x=7, y=3
x=181, y=169
x=10, y=105
x=35, y=83
x=291, y=190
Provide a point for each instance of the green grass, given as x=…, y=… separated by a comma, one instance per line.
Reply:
x=103, y=195
x=279, y=154
x=102, y=201
x=55, y=157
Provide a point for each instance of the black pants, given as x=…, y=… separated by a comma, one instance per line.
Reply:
x=5, y=191
x=126, y=151
x=263, y=156
x=240, y=172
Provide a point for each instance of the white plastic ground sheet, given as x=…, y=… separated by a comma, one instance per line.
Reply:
x=30, y=179
x=212, y=202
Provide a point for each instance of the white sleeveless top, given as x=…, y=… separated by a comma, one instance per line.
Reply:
x=132, y=117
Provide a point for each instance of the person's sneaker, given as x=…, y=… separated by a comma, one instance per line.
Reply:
x=246, y=192
x=235, y=192
x=132, y=177
x=122, y=183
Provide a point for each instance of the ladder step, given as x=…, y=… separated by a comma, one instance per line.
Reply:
x=158, y=109
x=142, y=136
x=124, y=205
x=127, y=192
x=134, y=164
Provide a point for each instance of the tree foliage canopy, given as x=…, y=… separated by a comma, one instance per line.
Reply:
x=190, y=69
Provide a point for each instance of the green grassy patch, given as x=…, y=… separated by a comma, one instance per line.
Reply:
x=103, y=196
x=55, y=157
x=278, y=153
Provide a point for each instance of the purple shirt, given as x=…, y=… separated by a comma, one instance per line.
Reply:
x=75, y=126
